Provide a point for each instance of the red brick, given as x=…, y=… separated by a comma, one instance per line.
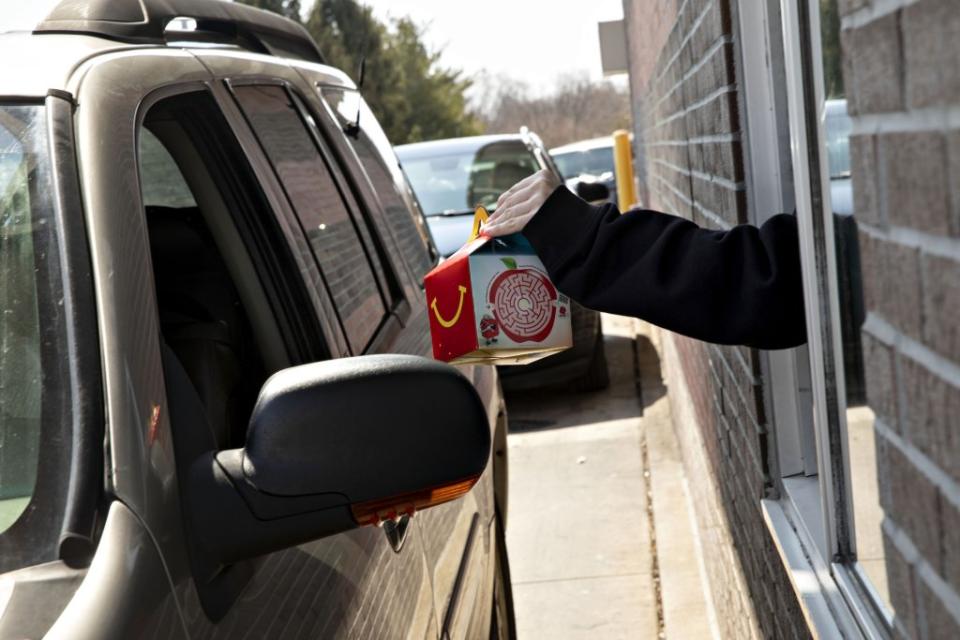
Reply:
x=871, y=270
x=903, y=301
x=914, y=504
x=875, y=63
x=953, y=179
x=902, y=594
x=892, y=287
x=863, y=166
x=939, y=621
x=931, y=48
x=950, y=562
x=915, y=180
x=881, y=383
x=942, y=305
x=931, y=415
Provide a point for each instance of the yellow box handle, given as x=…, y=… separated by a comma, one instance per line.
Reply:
x=480, y=216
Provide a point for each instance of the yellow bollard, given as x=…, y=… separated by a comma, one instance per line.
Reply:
x=623, y=167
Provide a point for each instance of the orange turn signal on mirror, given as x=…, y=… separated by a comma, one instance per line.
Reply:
x=376, y=511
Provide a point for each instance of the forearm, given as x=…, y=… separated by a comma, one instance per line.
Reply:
x=741, y=286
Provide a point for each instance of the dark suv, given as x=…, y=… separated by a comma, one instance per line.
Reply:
x=215, y=416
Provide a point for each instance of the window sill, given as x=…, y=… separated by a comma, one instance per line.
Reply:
x=828, y=614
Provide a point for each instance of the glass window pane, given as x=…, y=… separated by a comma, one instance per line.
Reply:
x=314, y=195
x=456, y=182
x=375, y=153
x=161, y=181
x=867, y=513
x=34, y=391
x=20, y=370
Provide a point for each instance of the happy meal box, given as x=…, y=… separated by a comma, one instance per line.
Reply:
x=492, y=303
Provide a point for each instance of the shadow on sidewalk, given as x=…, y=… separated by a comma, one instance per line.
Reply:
x=635, y=383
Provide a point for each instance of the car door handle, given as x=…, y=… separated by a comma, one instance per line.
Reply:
x=396, y=531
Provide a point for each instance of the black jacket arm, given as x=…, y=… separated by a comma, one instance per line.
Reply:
x=741, y=286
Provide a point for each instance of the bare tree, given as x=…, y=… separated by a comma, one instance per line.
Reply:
x=576, y=109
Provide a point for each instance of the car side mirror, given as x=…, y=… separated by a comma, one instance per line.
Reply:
x=335, y=445
x=592, y=191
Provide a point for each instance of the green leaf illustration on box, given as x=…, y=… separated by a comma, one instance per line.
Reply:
x=510, y=262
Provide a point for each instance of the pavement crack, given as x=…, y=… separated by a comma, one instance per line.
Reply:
x=648, y=488
x=604, y=576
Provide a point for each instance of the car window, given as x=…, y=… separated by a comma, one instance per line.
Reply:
x=162, y=183
x=331, y=230
x=35, y=393
x=457, y=182
x=20, y=368
x=594, y=162
x=375, y=153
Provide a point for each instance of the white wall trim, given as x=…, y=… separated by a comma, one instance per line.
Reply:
x=803, y=576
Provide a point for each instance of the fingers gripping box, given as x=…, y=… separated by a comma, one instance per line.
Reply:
x=492, y=303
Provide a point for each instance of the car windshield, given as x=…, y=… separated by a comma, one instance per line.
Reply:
x=34, y=388
x=456, y=182
x=594, y=162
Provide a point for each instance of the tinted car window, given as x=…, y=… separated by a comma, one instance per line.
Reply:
x=330, y=228
x=375, y=153
x=162, y=183
x=34, y=382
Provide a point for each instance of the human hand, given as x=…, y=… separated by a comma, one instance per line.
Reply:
x=518, y=204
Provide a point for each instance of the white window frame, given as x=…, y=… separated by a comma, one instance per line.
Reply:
x=810, y=515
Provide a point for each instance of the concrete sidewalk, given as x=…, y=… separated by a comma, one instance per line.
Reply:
x=600, y=530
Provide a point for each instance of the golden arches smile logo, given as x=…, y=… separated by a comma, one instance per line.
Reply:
x=446, y=324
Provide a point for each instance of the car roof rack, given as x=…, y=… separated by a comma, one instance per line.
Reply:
x=146, y=21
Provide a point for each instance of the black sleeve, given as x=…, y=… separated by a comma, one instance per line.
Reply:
x=741, y=286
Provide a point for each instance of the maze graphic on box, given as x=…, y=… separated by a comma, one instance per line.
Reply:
x=524, y=304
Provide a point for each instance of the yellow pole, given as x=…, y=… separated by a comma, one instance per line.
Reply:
x=623, y=167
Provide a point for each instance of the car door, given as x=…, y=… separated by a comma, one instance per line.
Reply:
x=212, y=203
x=366, y=583
x=457, y=534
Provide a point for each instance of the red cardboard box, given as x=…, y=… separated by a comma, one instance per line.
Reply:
x=492, y=303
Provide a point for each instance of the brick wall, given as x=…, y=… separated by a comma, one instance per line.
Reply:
x=903, y=84
x=683, y=63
